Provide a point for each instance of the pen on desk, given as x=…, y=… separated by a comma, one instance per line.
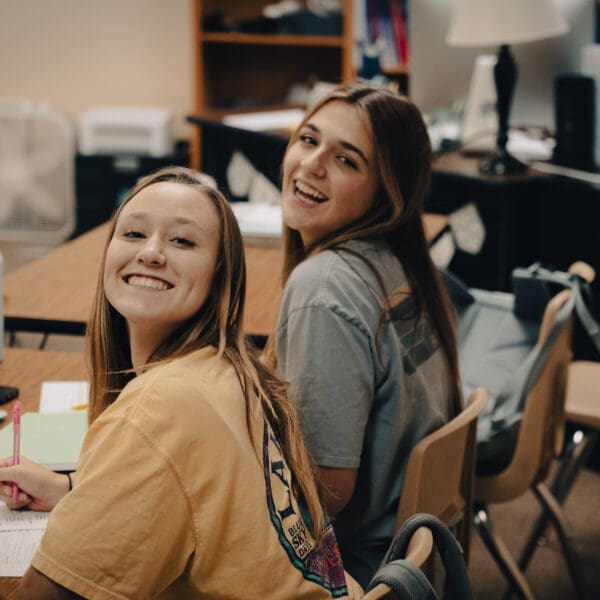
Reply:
x=80, y=407
x=16, y=444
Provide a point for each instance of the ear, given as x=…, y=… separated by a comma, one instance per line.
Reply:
x=406, y=579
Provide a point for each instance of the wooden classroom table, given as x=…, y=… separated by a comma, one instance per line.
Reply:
x=27, y=369
x=54, y=294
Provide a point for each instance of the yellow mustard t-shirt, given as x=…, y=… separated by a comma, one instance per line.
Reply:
x=175, y=498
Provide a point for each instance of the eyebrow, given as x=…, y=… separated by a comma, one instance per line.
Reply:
x=185, y=221
x=343, y=143
x=141, y=216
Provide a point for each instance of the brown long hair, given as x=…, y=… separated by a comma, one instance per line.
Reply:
x=403, y=151
x=218, y=323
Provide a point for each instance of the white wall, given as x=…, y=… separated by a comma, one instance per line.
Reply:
x=440, y=74
x=81, y=53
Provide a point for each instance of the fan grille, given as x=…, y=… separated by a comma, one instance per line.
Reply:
x=37, y=153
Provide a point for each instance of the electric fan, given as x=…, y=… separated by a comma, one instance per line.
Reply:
x=37, y=188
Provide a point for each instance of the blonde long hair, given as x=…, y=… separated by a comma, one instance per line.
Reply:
x=403, y=160
x=218, y=323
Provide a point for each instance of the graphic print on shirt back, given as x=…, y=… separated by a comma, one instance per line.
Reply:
x=417, y=339
x=290, y=518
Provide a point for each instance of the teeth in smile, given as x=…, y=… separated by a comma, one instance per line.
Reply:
x=149, y=282
x=312, y=194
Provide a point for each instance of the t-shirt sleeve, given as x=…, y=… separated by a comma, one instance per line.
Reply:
x=326, y=359
x=124, y=531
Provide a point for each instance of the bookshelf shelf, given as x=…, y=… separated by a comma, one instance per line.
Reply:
x=273, y=39
x=218, y=115
x=399, y=70
x=240, y=72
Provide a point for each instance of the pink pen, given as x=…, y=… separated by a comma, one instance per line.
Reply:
x=16, y=444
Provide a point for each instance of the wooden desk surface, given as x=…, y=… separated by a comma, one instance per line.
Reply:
x=27, y=369
x=59, y=287
x=464, y=165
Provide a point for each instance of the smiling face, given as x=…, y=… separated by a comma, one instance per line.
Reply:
x=161, y=259
x=329, y=175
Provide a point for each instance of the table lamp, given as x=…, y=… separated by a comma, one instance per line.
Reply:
x=503, y=22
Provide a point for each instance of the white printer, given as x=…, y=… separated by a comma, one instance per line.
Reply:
x=127, y=130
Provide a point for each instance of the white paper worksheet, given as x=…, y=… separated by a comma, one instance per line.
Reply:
x=21, y=532
x=63, y=396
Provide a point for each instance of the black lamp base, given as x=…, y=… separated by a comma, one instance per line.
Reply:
x=505, y=77
x=501, y=163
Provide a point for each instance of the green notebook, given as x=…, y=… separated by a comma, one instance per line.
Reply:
x=51, y=439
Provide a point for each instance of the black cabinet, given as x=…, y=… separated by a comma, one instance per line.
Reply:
x=102, y=181
x=569, y=223
x=527, y=218
x=505, y=210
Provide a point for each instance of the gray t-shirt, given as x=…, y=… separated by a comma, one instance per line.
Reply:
x=367, y=390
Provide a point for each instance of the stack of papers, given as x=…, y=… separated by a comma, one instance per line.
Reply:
x=267, y=120
x=258, y=220
x=64, y=396
x=21, y=532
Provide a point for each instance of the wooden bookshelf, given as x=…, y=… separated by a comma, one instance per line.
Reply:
x=231, y=66
x=240, y=72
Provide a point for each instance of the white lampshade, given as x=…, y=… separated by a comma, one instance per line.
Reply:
x=496, y=22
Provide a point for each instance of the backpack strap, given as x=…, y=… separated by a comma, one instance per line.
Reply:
x=514, y=395
x=588, y=322
x=580, y=288
x=406, y=579
x=448, y=547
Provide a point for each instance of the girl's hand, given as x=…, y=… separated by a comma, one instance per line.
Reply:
x=39, y=488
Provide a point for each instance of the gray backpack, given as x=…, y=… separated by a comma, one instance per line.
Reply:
x=497, y=334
